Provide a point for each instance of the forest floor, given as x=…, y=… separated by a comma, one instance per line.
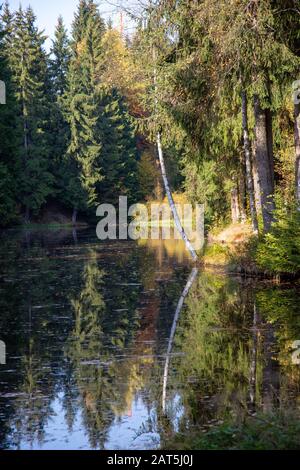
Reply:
x=231, y=248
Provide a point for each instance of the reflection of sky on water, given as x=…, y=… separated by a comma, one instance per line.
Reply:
x=126, y=433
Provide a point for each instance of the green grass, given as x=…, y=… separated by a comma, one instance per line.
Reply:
x=273, y=431
x=216, y=254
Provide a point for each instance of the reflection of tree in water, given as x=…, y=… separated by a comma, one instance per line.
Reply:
x=103, y=329
x=279, y=309
x=37, y=284
x=114, y=339
x=33, y=406
x=234, y=338
x=214, y=337
x=108, y=347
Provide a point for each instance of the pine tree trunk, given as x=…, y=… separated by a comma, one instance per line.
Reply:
x=256, y=182
x=242, y=199
x=171, y=200
x=247, y=150
x=235, y=209
x=74, y=216
x=265, y=163
x=297, y=147
x=269, y=127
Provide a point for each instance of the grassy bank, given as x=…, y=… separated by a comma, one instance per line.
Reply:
x=272, y=431
x=275, y=254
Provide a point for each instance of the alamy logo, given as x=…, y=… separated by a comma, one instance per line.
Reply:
x=152, y=221
x=2, y=353
x=2, y=92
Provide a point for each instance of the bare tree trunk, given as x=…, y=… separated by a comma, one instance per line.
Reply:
x=74, y=216
x=247, y=150
x=242, y=198
x=256, y=182
x=269, y=126
x=171, y=200
x=235, y=209
x=297, y=147
x=185, y=292
x=264, y=164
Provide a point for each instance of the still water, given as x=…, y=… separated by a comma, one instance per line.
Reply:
x=100, y=354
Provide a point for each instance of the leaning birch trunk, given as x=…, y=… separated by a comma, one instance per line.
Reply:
x=164, y=173
x=297, y=147
x=247, y=151
x=187, y=288
x=171, y=200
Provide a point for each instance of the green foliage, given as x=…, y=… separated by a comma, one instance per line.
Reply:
x=118, y=156
x=147, y=175
x=264, y=431
x=66, y=135
x=61, y=58
x=82, y=101
x=28, y=63
x=9, y=162
x=207, y=53
x=201, y=186
x=58, y=126
x=7, y=196
x=69, y=132
x=279, y=250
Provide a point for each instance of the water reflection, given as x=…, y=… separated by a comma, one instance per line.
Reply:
x=90, y=355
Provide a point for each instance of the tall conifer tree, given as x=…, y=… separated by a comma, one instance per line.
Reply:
x=119, y=152
x=9, y=168
x=28, y=62
x=59, y=127
x=82, y=99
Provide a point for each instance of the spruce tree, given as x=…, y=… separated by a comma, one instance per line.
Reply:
x=82, y=100
x=9, y=163
x=61, y=54
x=119, y=152
x=28, y=62
x=58, y=125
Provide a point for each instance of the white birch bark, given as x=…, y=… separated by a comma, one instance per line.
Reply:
x=185, y=292
x=171, y=201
